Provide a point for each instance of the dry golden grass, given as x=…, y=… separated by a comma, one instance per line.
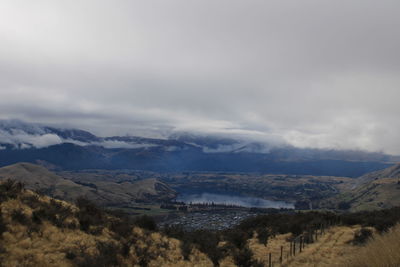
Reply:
x=49, y=245
x=327, y=251
x=381, y=251
x=330, y=248
x=46, y=247
x=168, y=251
x=261, y=251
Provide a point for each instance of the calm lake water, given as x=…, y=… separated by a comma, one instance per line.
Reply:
x=250, y=202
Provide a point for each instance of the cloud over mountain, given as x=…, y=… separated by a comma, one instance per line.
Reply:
x=310, y=73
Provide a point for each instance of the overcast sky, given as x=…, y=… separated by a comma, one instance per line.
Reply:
x=317, y=73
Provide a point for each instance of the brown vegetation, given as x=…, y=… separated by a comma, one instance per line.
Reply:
x=382, y=250
x=104, y=193
x=37, y=230
x=40, y=231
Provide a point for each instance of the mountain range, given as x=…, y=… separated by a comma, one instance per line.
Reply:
x=74, y=149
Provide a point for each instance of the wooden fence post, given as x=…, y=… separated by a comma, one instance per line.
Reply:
x=281, y=258
x=291, y=248
x=270, y=260
x=294, y=247
x=301, y=244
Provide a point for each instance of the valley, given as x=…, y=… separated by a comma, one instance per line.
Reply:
x=286, y=188
x=40, y=230
x=239, y=211
x=198, y=192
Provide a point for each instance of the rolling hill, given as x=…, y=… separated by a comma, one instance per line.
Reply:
x=376, y=190
x=105, y=193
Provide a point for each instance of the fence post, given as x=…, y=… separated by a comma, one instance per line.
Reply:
x=270, y=260
x=291, y=248
x=294, y=247
x=301, y=244
x=281, y=258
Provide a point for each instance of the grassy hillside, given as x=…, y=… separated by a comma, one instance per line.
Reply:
x=380, y=251
x=38, y=178
x=335, y=244
x=40, y=231
x=37, y=230
x=376, y=190
x=104, y=193
x=379, y=194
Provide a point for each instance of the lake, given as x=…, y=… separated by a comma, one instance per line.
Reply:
x=230, y=199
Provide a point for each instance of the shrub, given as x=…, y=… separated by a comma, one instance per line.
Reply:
x=89, y=215
x=106, y=256
x=10, y=189
x=237, y=237
x=19, y=216
x=54, y=212
x=108, y=252
x=146, y=222
x=32, y=201
x=382, y=250
x=382, y=220
x=186, y=248
x=121, y=227
x=3, y=226
x=205, y=240
x=70, y=255
x=244, y=258
x=362, y=236
x=263, y=235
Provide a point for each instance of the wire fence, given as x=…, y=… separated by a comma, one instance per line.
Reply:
x=297, y=245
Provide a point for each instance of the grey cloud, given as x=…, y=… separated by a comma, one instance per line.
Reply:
x=309, y=73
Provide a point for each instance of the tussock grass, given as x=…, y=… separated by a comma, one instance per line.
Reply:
x=329, y=250
x=261, y=251
x=41, y=231
x=381, y=251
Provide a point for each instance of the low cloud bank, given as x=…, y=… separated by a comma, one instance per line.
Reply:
x=22, y=135
x=23, y=140
x=121, y=144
